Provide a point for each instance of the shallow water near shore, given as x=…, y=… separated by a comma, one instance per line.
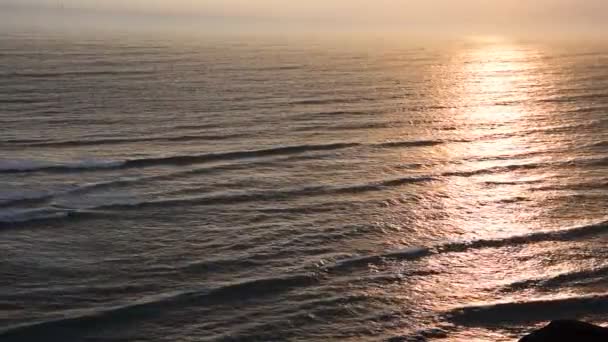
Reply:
x=304, y=190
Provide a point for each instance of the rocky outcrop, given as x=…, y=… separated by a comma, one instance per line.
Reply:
x=570, y=331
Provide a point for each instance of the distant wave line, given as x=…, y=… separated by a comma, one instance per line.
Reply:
x=30, y=166
x=76, y=143
x=567, y=234
x=21, y=217
x=45, y=195
x=75, y=73
x=20, y=166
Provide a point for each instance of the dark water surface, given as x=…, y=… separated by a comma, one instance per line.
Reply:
x=274, y=190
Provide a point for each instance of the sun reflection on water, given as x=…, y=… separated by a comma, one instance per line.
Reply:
x=495, y=87
x=486, y=110
x=490, y=91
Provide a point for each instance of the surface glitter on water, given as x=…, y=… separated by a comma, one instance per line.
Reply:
x=303, y=190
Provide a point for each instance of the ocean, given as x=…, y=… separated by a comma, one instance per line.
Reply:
x=300, y=189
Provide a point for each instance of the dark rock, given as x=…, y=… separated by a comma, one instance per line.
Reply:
x=571, y=331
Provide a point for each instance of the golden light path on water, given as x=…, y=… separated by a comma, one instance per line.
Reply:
x=493, y=101
x=491, y=91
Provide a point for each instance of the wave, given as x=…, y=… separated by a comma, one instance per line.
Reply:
x=406, y=180
x=580, y=162
x=195, y=126
x=556, y=129
x=331, y=115
x=16, y=166
x=415, y=253
x=529, y=311
x=520, y=182
x=186, y=138
x=46, y=216
x=577, y=278
x=574, y=98
x=598, y=184
x=215, y=265
x=27, y=101
x=417, y=143
x=22, y=141
x=264, y=286
x=19, y=198
x=23, y=165
x=321, y=101
x=514, y=156
x=83, y=321
x=356, y=126
x=76, y=143
x=496, y=169
x=75, y=73
x=343, y=127
x=268, y=195
x=567, y=234
x=12, y=216
x=280, y=67
x=603, y=143
x=510, y=200
x=192, y=159
x=8, y=197
x=597, y=162
x=15, y=198
x=405, y=254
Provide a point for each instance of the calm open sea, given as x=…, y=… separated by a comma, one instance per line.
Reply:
x=229, y=189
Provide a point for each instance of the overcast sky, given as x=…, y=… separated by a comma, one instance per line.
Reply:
x=434, y=15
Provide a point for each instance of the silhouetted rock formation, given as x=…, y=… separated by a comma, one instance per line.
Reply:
x=570, y=331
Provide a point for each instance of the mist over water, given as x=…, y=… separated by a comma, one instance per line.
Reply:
x=216, y=189
x=540, y=18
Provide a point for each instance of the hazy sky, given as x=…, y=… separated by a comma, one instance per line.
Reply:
x=434, y=15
